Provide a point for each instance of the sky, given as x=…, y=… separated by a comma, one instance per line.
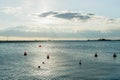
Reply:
x=59, y=19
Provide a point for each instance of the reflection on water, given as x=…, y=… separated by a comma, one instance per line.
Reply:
x=63, y=63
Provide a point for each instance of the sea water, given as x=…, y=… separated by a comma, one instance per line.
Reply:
x=63, y=63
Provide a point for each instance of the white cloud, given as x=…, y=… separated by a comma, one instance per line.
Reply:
x=77, y=22
x=11, y=10
x=34, y=17
x=29, y=7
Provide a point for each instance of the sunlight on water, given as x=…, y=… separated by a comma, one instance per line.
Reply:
x=39, y=55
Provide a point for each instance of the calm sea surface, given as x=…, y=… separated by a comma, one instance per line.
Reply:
x=63, y=63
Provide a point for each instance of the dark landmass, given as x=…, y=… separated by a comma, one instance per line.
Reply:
x=102, y=40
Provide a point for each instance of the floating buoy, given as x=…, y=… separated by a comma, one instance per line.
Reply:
x=114, y=55
x=48, y=56
x=38, y=66
x=25, y=53
x=95, y=55
x=80, y=62
x=43, y=62
x=40, y=46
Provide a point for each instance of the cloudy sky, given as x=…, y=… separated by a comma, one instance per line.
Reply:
x=59, y=19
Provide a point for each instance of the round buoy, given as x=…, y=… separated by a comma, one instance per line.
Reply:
x=80, y=62
x=40, y=46
x=95, y=55
x=43, y=62
x=25, y=53
x=38, y=66
x=48, y=56
x=114, y=55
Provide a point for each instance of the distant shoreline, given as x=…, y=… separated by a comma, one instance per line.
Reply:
x=2, y=41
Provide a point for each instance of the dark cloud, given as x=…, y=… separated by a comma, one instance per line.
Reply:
x=111, y=20
x=47, y=14
x=90, y=14
x=72, y=16
x=67, y=15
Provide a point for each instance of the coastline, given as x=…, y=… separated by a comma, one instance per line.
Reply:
x=5, y=41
